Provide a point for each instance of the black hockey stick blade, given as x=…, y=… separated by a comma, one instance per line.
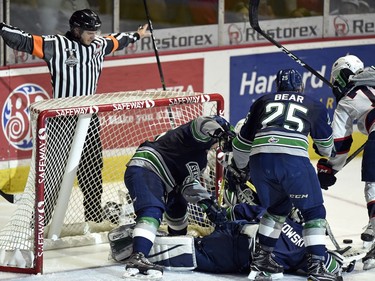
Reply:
x=253, y=18
x=8, y=197
x=342, y=251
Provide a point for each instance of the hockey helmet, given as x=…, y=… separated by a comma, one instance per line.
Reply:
x=351, y=62
x=289, y=80
x=227, y=127
x=226, y=135
x=85, y=19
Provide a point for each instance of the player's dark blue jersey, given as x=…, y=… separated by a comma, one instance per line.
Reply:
x=234, y=253
x=180, y=155
x=281, y=123
x=183, y=154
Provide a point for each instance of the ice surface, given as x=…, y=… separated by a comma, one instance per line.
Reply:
x=346, y=213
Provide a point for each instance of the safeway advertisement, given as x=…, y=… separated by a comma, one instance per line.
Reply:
x=20, y=91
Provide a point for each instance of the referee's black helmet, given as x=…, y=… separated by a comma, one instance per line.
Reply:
x=85, y=19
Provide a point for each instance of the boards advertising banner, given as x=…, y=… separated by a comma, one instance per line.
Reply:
x=254, y=75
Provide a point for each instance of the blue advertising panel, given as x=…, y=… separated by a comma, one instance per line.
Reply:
x=254, y=75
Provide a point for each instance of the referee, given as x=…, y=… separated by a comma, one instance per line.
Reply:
x=75, y=61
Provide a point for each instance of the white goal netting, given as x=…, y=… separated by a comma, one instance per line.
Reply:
x=75, y=191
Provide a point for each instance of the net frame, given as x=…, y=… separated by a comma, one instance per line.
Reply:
x=123, y=101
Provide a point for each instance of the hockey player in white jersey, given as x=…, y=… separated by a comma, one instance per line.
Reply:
x=355, y=94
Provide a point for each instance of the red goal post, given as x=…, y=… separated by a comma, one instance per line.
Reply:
x=56, y=210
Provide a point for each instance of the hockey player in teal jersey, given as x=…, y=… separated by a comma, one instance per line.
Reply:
x=273, y=143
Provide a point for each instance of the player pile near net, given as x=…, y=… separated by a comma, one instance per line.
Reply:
x=148, y=161
x=162, y=177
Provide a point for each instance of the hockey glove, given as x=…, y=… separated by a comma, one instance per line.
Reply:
x=235, y=176
x=326, y=174
x=214, y=213
x=225, y=139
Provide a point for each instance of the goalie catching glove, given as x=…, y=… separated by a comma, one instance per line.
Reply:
x=326, y=174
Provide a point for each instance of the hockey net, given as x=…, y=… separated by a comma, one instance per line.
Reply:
x=63, y=205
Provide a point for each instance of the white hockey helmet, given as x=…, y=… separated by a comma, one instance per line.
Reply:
x=351, y=62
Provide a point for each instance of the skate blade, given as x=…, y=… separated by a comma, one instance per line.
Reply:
x=369, y=264
x=264, y=276
x=134, y=274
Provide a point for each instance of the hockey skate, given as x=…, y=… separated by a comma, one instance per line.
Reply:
x=138, y=267
x=368, y=236
x=264, y=267
x=318, y=272
x=369, y=260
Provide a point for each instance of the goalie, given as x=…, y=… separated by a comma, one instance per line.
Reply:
x=236, y=240
x=163, y=176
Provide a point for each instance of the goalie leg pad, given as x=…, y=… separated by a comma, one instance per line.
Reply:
x=121, y=241
x=175, y=253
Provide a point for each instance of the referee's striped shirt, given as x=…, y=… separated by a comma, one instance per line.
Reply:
x=75, y=68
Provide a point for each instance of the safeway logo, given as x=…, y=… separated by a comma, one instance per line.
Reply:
x=16, y=115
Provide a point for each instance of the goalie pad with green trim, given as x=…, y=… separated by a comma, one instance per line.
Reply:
x=174, y=252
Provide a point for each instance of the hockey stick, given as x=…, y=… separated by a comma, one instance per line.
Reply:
x=253, y=18
x=334, y=241
x=154, y=45
x=170, y=112
x=354, y=154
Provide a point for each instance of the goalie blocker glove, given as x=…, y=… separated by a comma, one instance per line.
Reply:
x=214, y=213
x=326, y=174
